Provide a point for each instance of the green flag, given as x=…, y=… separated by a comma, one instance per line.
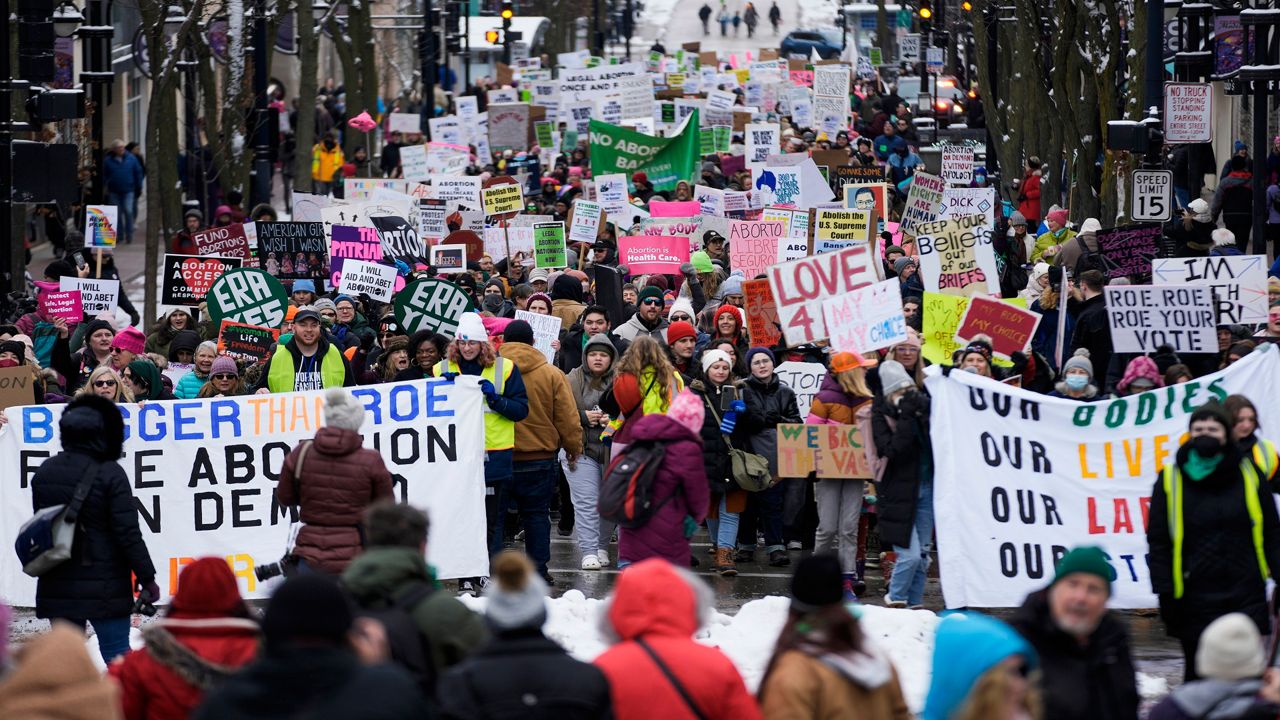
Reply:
x=665, y=160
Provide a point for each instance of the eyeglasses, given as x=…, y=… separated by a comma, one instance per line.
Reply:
x=115, y=349
x=681, y=317
x=651, y=301
x=224, y=376
x=104, y=383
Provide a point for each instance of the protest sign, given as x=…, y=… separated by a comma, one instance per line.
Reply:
x=611, y=192
x=653, y=253
x=957, y=164
x=432, y=225
x=228, y=241
x=410, y=123
x=753, y=245
x=203, y=474
x=399, y=236
x=473, y=242
x=628, y=83
x=187, y=278
x=763, y=140
x=449, y=258
x=1238, y=282
x=837, y=229
x=361, y=189
x=503, y=198
x=249, y=296
x=546, y=329
x=100, y=226
x=366, y=278
x=800, y=286
x=674, y=209
x=63, y=304
x=292, y=250
x=508, y=126
x=307, y=207
x=96, y=296
x=923, y=202
x=413, y=162
x=956, y=257
x=665, y=160
x=433, y=305
x=763, y=328
x=804, y=378
x=497, y=240
x=1144, y=317
x=941, y=315
x=17, y=388
x=584, y=221
x=710, y=200
x=1129, y=249
x=845, y=175
x=454, y=190
x=548, y=245
x=1010, y=328
x=250, y=342
x=832, y=451
x=869, y=318
x=1024, y=477
x=352, y=243
x=969, y=201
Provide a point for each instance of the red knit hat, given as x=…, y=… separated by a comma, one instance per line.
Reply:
x=733, y=310
x=680, y=329
x=207, y=588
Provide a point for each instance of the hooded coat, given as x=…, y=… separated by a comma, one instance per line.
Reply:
x=826, y=687
x=682, y=477
x=55, y=678
x=182, y=340
x=108, y=550
x=588, y=394
x=552, y=422
x=1216, y=699
x=655, y=602
x=159, y=340
x=967, y=645
x=901, y=437
x=566, y=299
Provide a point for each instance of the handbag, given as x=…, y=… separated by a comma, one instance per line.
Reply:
x=44, y=541
x=749, y=470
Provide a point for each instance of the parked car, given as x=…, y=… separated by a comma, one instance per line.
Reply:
x=802, y=43
x=947, y=107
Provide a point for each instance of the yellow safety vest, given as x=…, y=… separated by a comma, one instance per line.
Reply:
x=499, y=432
x=1265, y=458
x=1171, y=476
x=281, y=371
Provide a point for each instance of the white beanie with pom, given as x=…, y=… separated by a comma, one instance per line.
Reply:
x=342, y=410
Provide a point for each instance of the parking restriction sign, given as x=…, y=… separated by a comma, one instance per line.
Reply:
x=1152, y=195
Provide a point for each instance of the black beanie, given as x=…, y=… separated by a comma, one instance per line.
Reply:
x=17, y=348
x=59, y=269
x=183, y=340
x=96, y=325
x=1212, y=410
x=518, y=331
x=310, y=607
x=817, y=583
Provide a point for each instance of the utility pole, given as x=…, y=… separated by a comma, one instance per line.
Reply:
x=1262, y=77
x=427, y=60
x=260, y=185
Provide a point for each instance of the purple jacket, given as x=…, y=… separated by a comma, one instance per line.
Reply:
x=683, y=474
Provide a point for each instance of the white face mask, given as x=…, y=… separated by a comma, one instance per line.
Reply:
x=971, y=369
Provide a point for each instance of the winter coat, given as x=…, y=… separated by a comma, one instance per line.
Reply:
x=379, y=575
x=832, y=405
x=1071, y=251
x=552, y=422
x=1219, y=562
x=1080, y=682
x=325, y=163
x=634, y=397
x=769, y=403
x=1029, y=200
x=122, y=174
x=315, y=683
x=340, y=478
x=522, y=675
x=1194, y=242
x=804, y=687
x=1047, y=239
x=634, y=328
x=1234, y=198
x=1045, y=341
x=573, y=347
x=108, y=550
x=901, y=437
x=1216, y=699
x=55, y=678
x=189, y=385
x=682, y=477
x=715, y=448
x=652, y=601
x=359, y=327
x=587, y=395
x=1092, y=332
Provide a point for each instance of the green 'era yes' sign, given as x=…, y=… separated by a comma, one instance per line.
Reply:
x=249, y=296
x=432, y=304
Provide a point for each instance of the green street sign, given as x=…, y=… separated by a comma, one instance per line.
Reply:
x=249, y=296
x=433, y=305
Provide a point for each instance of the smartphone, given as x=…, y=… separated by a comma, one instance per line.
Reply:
x=78, y=257
x=728, y=397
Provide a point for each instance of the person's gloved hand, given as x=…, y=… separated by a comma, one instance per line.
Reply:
x=729, y=422
x=688, y=270
x=450, y=376
x=490, y=392
x=738, y=406
x=690, y=527
x=148, y=592
x=623, y=270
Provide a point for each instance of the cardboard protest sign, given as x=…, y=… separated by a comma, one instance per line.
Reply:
x=504, y=198
x=844, y=175
x=546, y=328
x=432, y=225
x=228, y=241
x=763, y=328
x=96, y=296
x=1239, y=283
x=508, y=126
x=804, y=378
x=100, y=224
x=549, y=246
x=449, y=258
x=923, y=202
x=832, y=451
x=63, y=304
x=1129, y=249
x=665, y=160
x=653, y=253
x=352, y=243
x=250, y=342
x=753, y=245
x=800, y=286
x=1144, y=317
x=957, y=164
x=867, y=319
x=186, y=279
x=1010, y=328
x=292, y=250
x=956, y=257
x=942, y=315
x=837, y=229
x=249, y=296
x=433, y=305
x=969, y=201
x=365, y=278
x=17, y=387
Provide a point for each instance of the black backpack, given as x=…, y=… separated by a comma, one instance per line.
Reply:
x=1089, y=259
x=410, y=648
x=626, y=492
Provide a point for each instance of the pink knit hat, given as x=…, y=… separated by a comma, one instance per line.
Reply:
x=1140, y=367
x=1058, y=216
x=687, y=410
x=130, y=339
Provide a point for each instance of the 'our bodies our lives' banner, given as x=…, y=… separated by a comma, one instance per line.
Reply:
x=204, y=472
x=1022, y=478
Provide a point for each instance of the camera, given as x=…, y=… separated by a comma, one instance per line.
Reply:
x=285, y=566
x=144, y=607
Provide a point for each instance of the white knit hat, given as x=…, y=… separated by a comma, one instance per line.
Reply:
x=711, y=357
x=471, y=327
x=1231, y=649
x=342, y=410
x=1223, y=237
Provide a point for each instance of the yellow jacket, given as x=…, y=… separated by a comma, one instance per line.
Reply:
x=325, y=164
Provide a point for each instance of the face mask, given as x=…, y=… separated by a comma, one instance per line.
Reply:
x=1206, y=446
x=971, y=369
x=1077, y=382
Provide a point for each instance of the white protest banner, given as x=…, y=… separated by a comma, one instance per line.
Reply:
x=969, y=201
x=1024, y=477
x=413, y=161
x=800, y=286
x=584, y=221
x=611, y=192
x=354, y=189
x=365, y=278
x=519, y=239
x=867, y=319
x=96, y=296
x=804, y=378
x=957, y=164
x=923, y=201
x=956, y=256
x=410, y=123
x=454, y=190
x=546, y=328
x=710, y=199
x=763, y=140
x=1144, y=317
x=307, y=207
x=449, y=130
x=721, y=100
x=628, y=83
x=203, y=473
x=1239, y=283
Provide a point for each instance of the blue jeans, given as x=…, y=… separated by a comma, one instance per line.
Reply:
x=912, y=567
x=125, y=205
x=724, y=529
x=533, y=482
x=113, y=635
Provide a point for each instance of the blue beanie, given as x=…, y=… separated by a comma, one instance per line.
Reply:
x=967, y=645
x=304, y=286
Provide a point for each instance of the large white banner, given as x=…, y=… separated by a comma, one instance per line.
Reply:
x=1022, y=478
x=204, y=474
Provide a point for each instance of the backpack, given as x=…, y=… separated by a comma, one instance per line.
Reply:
x=1089, y=259
x=44, y=542
x=626, y=492
x=410, y=648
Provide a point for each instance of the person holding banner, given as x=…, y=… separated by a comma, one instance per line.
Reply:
x=1244, y=431
x=225, y=379
x=1213, y=534
x=306, y=362
x=189, y=385
x=106, y=383
x=143, y=377
x=1077, y=379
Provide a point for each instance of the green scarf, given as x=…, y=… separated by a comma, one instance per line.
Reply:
x=1199, y=468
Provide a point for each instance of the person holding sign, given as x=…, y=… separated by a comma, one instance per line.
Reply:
x=719, y=394
x=306, y=362
x=1213, y=534
x=769, y=403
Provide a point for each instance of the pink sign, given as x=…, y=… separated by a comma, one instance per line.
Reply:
x=65, y=305
x=661, y=254
x=681, y=208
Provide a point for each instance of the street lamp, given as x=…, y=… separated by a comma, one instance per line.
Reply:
x=319, y=8
x=66, y=19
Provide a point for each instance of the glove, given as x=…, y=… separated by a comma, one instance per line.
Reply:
x=688, y=270
x=623, y=270
x=148, y=592
x=450, y=376
x=490, y=392
x=690, y=527
x=729, y=423
x=738, y=406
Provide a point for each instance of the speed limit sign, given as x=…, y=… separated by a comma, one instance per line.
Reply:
x=1152, y=195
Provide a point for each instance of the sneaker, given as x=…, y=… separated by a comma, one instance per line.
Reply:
x=889, y=602
x=859, y=585
x=590, y=562
x=795, y=545
x=849, y=594
x=778, y=558
x=603, y=556
x=919, y=607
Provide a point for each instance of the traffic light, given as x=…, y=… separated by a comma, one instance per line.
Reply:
x=35, y=40
x=966, y=6
x=508, y=12
x=925, y=12
x=493, y=37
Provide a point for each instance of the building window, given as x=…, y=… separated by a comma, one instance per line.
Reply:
x=135, y=108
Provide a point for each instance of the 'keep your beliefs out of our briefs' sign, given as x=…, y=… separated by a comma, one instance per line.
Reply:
x=204, y=472
x=1024, y=477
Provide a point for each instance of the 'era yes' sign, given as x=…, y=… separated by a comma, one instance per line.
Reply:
x=800, y=286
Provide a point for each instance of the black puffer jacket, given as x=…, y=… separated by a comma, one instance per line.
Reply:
x=901, y=436
x=715, y=451
x=95, y=582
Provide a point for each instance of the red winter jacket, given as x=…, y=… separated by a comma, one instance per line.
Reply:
x=682, y=473
x=1030, y=208
x=655, y=602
